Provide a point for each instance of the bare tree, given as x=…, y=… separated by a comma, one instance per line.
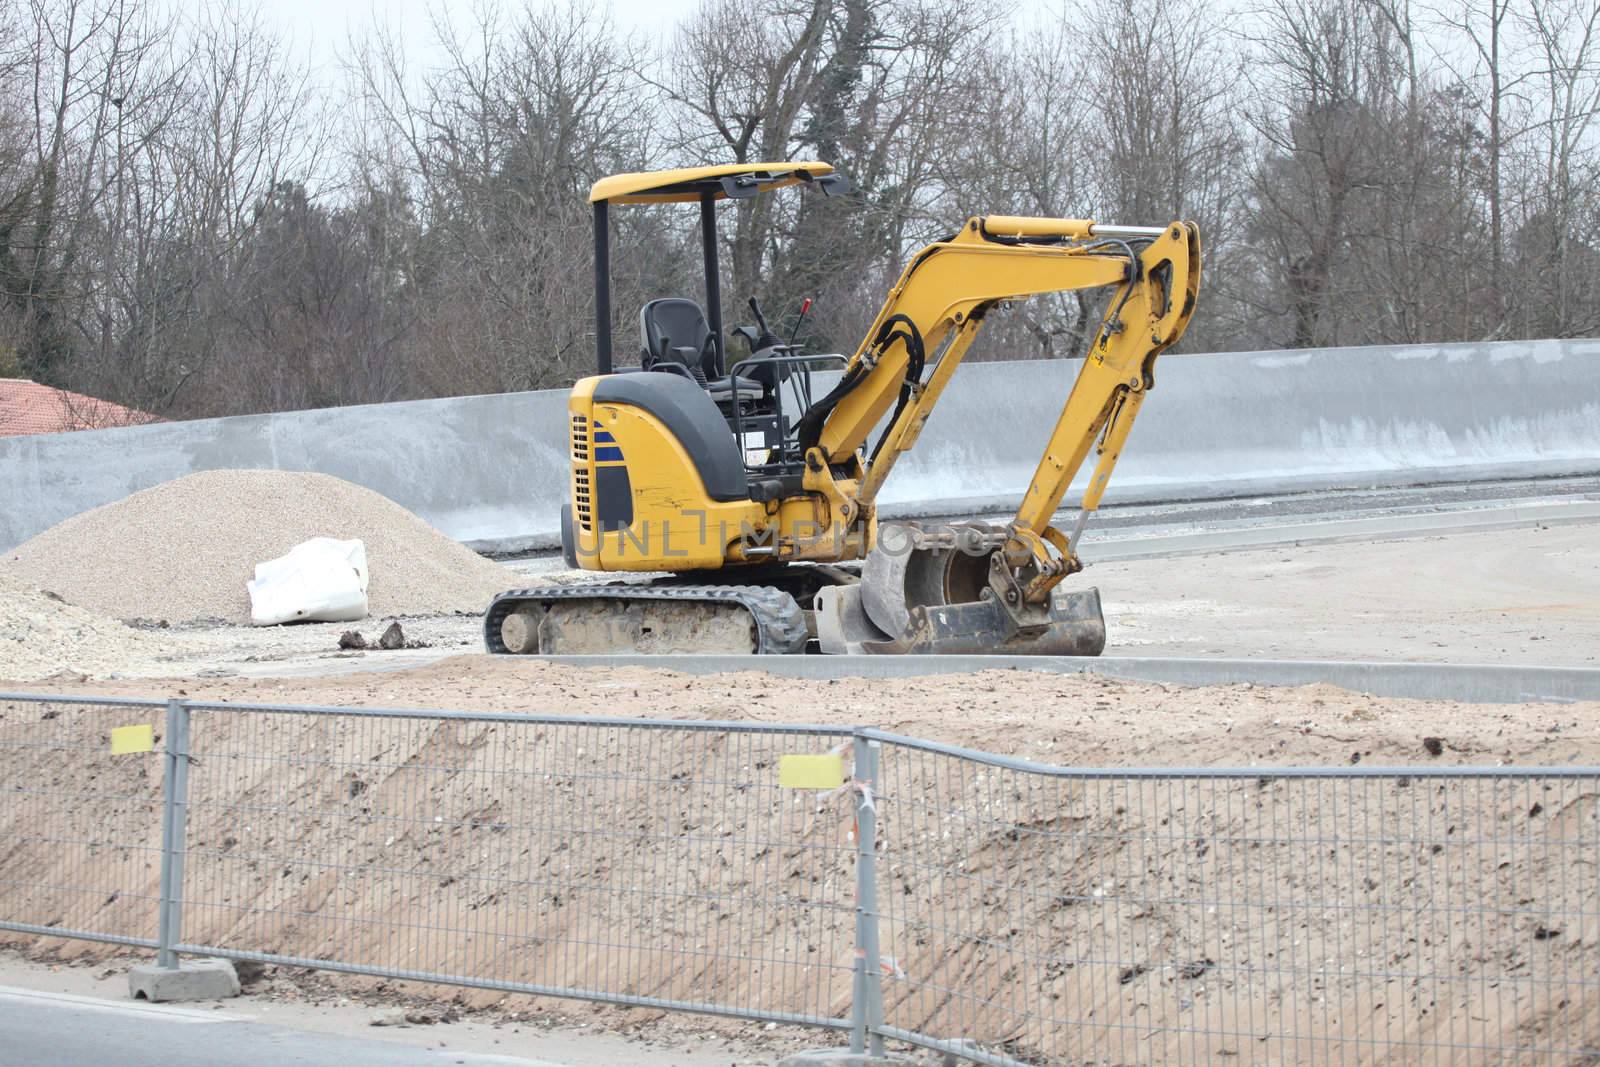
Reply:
x=500, y=148
x=1487, y=29
x=74, y=66
x=740, y=76
x=188, y=224
x=1567, y=89
x=884, y=89
x=1164, y=138
x=1364, y=164
x=235, y=121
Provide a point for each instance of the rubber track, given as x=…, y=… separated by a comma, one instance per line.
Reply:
x=780, y=624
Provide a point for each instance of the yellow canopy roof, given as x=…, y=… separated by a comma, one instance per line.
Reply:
x=686, y=184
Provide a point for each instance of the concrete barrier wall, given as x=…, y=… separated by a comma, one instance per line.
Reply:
x=1239, y=423
x=491, y=470
x=487, y=470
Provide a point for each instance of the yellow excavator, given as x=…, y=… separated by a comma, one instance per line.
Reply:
x=735, y=504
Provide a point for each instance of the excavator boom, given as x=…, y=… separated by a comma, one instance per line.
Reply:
x=940, y=302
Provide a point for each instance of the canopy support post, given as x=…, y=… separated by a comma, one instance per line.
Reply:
x=708, y=236
x=602, y=287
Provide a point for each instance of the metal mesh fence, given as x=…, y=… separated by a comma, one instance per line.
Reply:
x=643, y=863
x=1016, y=913
x=1252, y=917
x=80, y=827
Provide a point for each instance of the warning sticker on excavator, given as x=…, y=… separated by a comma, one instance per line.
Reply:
x=126, y=740
x=811, y=772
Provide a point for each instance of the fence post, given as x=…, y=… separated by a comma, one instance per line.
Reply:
x=866, y=1014
x=174, y=830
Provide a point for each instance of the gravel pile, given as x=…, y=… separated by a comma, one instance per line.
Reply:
x=41, y=637
x=183, y=551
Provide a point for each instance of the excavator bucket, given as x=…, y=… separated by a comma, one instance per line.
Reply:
x=1076, y=628
x=931, y=595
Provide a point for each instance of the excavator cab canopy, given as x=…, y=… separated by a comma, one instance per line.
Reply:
x=735, y=181
x=702, y=185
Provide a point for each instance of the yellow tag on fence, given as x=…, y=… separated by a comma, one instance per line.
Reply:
x=130, y=739
x=811, y=772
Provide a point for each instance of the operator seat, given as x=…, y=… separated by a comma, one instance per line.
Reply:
x=676, y=339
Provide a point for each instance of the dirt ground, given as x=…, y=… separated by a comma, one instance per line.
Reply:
x=1263, y=919
x=1514, y=597
x=1078, y=720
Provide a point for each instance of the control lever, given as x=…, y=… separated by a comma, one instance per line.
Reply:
x=761, y=320
x=805, y=306
x=768, y=339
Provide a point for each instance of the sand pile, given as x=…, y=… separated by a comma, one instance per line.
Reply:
x=183, y=551
x=40, y=636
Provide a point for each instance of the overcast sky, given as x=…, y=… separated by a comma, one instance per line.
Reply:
x=321, y=27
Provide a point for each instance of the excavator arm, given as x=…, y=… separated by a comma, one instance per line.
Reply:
x=896, y=378
x=935, y=311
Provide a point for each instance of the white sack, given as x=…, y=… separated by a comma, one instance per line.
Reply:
x=320, y=580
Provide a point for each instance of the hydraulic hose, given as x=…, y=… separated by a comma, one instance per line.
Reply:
x=808, y=431
x=895, y=328
x=916, y=359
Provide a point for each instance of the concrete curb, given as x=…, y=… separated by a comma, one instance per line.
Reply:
x=1467, y=682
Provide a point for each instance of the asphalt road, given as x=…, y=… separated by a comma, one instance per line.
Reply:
x=62, y=1030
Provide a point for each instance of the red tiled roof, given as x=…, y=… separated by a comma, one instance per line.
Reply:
x=28, y=407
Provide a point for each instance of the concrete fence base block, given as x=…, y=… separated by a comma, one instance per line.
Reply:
x=839, y=1057
x=190, y=980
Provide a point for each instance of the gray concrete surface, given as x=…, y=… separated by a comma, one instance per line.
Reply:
x=60, y=1031
x=1329, y=530
x=1517, y=597
x=1499, y=592
x=1474, y=683
x=1504, y=584
x=491, y=471
x=1117, y=521
x=65, y=1015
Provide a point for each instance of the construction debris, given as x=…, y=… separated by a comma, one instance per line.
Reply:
x=41, y=637
x=394, y=637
